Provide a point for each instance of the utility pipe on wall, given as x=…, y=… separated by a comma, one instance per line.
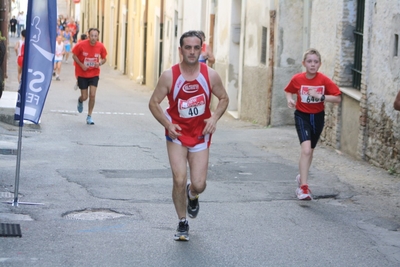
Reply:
x=271, y=60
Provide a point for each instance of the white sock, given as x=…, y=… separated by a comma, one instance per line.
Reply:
x=191, y=196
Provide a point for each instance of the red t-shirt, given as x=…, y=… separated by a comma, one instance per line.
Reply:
x=88, y=54
x=20, y=59
x=72, y=27
x=189, y=105
x=299, y=85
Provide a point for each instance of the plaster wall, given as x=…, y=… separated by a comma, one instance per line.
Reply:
x=350, y=127
x=191, y=20
x=288, y=57
x=152, y=45
x=171, y=37
x=256, y=81
x=323, y=34
x=134, y=43
x=221, y=40
x=222, y=35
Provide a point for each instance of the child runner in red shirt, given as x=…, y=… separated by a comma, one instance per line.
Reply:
x=313, y=89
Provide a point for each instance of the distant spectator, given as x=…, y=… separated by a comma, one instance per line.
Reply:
x=59, y=27
x=13, y=26
x=206, y=51
x=73, y=28
x=21, y=19
x=60, y=50
x=64, y=23
x=67, y=43
x=19, y=50
x=83, y=37
x=76, y=33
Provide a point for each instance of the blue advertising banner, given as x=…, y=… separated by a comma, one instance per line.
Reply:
x=37, y=69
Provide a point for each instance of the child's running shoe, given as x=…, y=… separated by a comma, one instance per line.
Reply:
x=303, y=193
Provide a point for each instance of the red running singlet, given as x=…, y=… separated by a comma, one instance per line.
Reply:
x=189, y=106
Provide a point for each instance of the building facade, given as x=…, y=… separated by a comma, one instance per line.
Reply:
x=259, y=45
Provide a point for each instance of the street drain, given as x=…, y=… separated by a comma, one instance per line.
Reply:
x=93, y=215
x=8, y=151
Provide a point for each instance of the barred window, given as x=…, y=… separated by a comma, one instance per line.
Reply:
x=264, y=45
x=358, y=35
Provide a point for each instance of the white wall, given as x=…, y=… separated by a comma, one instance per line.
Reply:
x=19, y=5
x=323, y=32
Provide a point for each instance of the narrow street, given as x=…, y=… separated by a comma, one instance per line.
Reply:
x=104, y=192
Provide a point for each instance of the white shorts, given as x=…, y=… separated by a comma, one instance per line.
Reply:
x=197, y=148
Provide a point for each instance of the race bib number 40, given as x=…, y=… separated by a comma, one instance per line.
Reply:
x=192, y=107
x=305, y=98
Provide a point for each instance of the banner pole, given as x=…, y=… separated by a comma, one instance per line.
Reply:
x=18, y=167
x=37, y=68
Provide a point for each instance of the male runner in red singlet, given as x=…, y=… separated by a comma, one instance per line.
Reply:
x=88, y=56
x=188, y=124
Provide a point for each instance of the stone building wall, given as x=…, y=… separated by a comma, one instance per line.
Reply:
x=381, y=83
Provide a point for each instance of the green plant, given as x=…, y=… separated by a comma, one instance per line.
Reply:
x=392, y=170
x=2, y=38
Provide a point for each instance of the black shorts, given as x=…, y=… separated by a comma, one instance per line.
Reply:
x=84, y=83
x=309, y=126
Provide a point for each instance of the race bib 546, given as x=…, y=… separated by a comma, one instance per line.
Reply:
x=305, y=98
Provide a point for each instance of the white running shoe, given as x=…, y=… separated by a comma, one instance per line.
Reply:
x=303, y=193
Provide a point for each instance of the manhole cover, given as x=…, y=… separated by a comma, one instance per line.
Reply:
x=93, y=215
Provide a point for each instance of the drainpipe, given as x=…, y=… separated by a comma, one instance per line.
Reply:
x=306, y=25
x=146, y=10
x=272, y=16
x=180, y=18
x=212, y=24
x=161, y=37
x=241, y=55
